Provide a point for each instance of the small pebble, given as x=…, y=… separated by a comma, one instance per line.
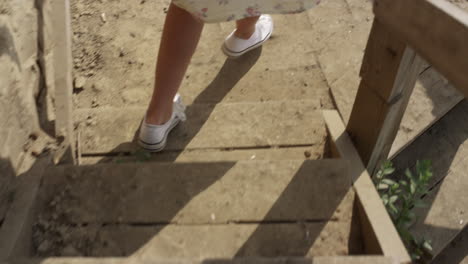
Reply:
x=307, y=154
x=70, y=251
x=94, y=103
x=103, y=17
x=80, y=82
x=44, y=246
x=91, y=122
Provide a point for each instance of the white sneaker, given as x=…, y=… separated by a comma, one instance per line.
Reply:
x=235, y=47
x=154, y=137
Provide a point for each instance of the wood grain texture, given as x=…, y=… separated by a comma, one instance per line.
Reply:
x=389, y=73
x=436, y=29
x=251, y=260
x=446, y=146
x=210, y=126
x=16, y=230
x=62, y=54
x=202, y=193
x=379, y=232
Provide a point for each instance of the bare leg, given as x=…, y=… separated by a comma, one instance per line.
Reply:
x=178, y=43
x=246, y=27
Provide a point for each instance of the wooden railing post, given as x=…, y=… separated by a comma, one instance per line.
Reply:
x=389, y=73
x=62, y=56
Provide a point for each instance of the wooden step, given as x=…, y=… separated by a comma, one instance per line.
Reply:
x=223, y=209
x=198, y=193
x=235, y=81
x=221, y=126
x=283, y=260
x=332, y=238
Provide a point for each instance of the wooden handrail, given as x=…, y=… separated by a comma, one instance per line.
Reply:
x=436, y=29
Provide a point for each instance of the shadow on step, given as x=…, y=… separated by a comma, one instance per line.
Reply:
x=444, y=144
x=456, y=252
x=199, y=112
x=222, y=209
x=7, y=180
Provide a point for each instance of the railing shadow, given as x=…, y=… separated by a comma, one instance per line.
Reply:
x=457, y=252
x=199, y=111
x=441, y=144
x=7, y=180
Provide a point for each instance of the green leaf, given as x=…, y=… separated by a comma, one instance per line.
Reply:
x=411, y=216
x=393, y=209
x=395, y=188
x=382, y=186
x=393, y=199
x=420, y=204
x=408, y=174
x=388, y=171
x=389, y=182
x=415, y=256
x=427, y=245
x=385, y=199
x=412, y=187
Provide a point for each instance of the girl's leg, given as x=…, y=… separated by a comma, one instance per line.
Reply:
x=178, y=43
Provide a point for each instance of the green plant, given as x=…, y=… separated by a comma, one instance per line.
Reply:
x=401, y=197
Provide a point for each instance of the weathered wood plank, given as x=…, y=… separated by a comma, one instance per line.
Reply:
x=246, y=260
x=245, y=81
x=378, y=230
x=199, y=193
x=456, y=251
x=15, y=232
x=389, y=73
x=62, y=57
x=404, y=84
x=446, y=146
x=224, y=126
x=208, y=155
x=446, y=215
x=432, y=97
x=226, y=241
x=436, y=29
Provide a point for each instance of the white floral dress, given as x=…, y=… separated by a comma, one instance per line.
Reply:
x=228, y=10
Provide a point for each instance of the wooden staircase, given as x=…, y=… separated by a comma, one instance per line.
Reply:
x=230, y=206
x=277, y=209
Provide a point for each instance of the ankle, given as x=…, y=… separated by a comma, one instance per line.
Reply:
x=245, y=33
x=157, y=118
